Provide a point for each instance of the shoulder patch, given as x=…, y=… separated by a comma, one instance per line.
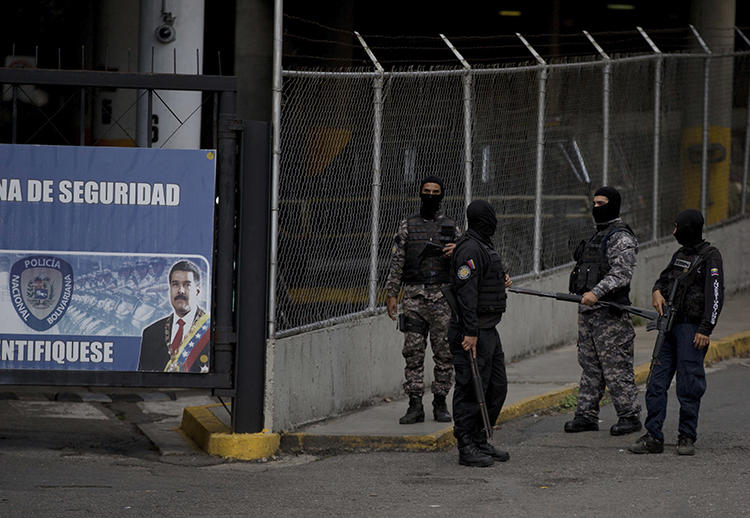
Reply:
x=470, y=263
x=714, y=272
x=463, y=272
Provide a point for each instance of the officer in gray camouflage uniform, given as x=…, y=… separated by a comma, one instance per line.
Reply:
x=420, y=260
x=604, y=268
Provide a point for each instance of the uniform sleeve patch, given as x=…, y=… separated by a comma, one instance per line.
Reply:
x=464, y=272
x=714, y=272
x=470, y=264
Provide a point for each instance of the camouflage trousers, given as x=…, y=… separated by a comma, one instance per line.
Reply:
x=427, y=315
x=605, y=353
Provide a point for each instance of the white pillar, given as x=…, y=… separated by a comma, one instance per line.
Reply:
x=180, y=52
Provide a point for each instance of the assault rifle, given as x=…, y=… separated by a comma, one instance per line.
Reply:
x=450, y=298
x=662, y=323
x=570, y=297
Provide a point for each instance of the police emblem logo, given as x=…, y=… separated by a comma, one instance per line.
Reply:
x=464, y=272
x=41, y=289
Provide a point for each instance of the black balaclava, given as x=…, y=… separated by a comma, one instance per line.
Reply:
x=689, y=227
x=430, y=202
x=481, y=217
x=611, y=209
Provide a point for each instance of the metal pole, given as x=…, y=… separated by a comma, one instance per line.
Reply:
x=252, y=279
x=278, y=27
x=605, y=107
x=377, y=124
x=149, y=118
x=704, y=148
x=541, y=107
x=468, y=153
x=82, y=138
x=657, y=130
x=224, y=333
x=746, y=162
x=14, y=116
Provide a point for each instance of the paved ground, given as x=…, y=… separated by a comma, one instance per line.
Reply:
x=81, y=452
x=63, y=467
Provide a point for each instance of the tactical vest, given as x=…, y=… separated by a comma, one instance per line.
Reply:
x=426, y=264
x=689, y=297
x=492, y=297
x=592, y=265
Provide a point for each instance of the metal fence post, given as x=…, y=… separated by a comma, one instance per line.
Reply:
x=605, y=107
x=468, y=153
x=278, y=27
x=704, y=148
x=746, y=161
x=541, y=107
x=657, y=130
x=377, y=129
x=225, y=338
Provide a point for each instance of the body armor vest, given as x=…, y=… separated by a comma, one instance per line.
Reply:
x=592, y=265
x=425, y=262
x=492, y=297
x=689, y=297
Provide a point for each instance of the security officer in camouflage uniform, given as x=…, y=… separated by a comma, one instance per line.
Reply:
x=603, y=270
x=697, y=271
x=478, y=284
x=420, y=260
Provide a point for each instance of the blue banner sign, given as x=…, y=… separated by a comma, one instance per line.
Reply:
x=105, y=258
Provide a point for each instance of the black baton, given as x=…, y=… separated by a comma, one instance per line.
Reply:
x=480, y=396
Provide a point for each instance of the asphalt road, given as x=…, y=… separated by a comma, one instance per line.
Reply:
x=103, y=466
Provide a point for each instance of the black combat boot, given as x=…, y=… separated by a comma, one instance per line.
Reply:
x=470, y=455
x=626, y=425
x=581, y=424
x=415, y=412
x=685, y=445
x=647, y=444
x=497, y=454
x=440, y=409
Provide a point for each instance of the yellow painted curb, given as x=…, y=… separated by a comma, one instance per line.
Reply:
x=536, y=403
x=298, y=442
x=734, y=346
x=215, y=438
x=201, y=425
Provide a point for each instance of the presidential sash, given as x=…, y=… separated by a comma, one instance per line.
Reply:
x=191, y=347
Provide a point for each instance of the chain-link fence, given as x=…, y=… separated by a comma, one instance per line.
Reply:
x=670, y=131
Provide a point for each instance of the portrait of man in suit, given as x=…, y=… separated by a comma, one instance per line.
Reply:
x=179, y=342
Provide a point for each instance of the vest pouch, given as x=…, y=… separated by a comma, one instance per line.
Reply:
x=573, y=280
x=583, y=278
x=592, y=277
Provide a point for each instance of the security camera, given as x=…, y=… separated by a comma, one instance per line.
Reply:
x=165, y=33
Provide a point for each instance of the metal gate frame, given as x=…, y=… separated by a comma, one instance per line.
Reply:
x=228, y=129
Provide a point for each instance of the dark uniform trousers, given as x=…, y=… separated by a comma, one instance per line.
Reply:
x=467, y=418
x=677, y=355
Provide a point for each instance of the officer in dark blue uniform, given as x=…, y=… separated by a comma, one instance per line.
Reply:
x=697, y=270
x=478, y=282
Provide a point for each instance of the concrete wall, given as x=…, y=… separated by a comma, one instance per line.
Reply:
x=330, y=371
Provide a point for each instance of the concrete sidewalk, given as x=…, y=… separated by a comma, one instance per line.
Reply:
x=537, y=383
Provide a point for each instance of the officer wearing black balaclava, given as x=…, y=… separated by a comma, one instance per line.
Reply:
x=603, y=270
x=478, y=284
x=420, y=263
x=693, y=285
